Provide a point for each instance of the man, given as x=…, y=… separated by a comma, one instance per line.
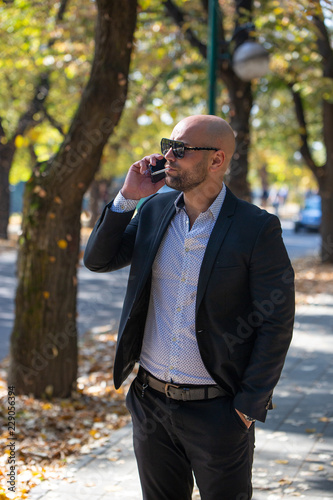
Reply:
x=208, y=314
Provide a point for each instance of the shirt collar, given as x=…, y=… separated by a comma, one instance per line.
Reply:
x=215, y=207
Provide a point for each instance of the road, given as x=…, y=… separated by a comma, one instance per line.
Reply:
x=100, y=296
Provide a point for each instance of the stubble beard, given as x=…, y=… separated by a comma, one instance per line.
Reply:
x=186, y=181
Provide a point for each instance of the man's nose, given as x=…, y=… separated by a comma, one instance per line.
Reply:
x=169, y=155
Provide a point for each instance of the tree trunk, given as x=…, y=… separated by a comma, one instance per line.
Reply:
x=6, y=158
x=326, y=187
x=326, y=229
x=44, y=338
x=93, y=202
x=43, y=342
x=241, y=103
x=98, y=196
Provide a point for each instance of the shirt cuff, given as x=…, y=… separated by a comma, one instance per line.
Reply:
x=121, y=204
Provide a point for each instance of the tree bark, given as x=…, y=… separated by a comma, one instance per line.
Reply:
x=241, y=102
x=7, y=152
x=326, y=181
x=98, y=195
x=44, y=338
x=326, y=187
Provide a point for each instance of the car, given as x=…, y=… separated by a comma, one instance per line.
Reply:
x=309, y=217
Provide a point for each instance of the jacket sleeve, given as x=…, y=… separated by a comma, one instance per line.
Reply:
x=110, y=245
x=273, y=307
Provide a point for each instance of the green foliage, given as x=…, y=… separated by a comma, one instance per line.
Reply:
x=168, y=79
x=35, y=42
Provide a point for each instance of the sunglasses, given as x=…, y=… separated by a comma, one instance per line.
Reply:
x=178, y=148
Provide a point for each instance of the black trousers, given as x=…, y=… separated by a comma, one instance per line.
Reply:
x=174, y=439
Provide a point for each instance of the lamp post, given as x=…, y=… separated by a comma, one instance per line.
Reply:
x=212, y=23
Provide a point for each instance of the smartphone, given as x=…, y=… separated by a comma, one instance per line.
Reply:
x=154, y=168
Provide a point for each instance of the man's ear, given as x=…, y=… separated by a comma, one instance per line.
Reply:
x=218, y=160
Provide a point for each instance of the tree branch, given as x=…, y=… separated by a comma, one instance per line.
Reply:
x=177, y=15
x=243, y=21
x=59, y=17
x=28, y=119
x=33, y=155
x=324, y=46
x=142, y=100
x=205, y=5
x=2, y=132
x=304, y=149
x=62, y=10
x=53, y=122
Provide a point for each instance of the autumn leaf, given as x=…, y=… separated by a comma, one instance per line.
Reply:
x=21, y=141
x=62, y=244
x=283, y=482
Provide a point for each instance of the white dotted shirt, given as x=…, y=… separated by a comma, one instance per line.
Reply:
x=170, y=350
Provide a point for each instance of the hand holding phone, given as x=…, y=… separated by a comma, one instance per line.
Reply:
x=155, y=175
x=139, y=183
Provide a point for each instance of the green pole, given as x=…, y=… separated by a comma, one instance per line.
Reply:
x=212, y=25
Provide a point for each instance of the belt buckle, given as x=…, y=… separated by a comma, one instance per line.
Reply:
x=167, y=388
x=184, y=395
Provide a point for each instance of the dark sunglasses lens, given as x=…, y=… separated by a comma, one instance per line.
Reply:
x=177, y=147
x=165, y=146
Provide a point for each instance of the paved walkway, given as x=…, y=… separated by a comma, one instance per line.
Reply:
x=294, y=448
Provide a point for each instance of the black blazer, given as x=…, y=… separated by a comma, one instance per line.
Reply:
x=245, y=298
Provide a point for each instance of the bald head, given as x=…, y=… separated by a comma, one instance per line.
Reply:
x=207, y=131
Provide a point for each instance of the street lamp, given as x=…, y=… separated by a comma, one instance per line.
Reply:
x=250, y=60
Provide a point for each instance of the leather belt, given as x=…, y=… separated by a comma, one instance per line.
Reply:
x=180, y=392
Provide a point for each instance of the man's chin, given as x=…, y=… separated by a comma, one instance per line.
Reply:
x=171, y=182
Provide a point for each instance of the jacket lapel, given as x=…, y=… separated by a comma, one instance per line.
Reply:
x=217, y=236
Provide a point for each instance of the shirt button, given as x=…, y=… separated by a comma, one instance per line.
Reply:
x=187, y=249
x=178, y=309
x=174, y=339
x=183, y=279
x=171, y=367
